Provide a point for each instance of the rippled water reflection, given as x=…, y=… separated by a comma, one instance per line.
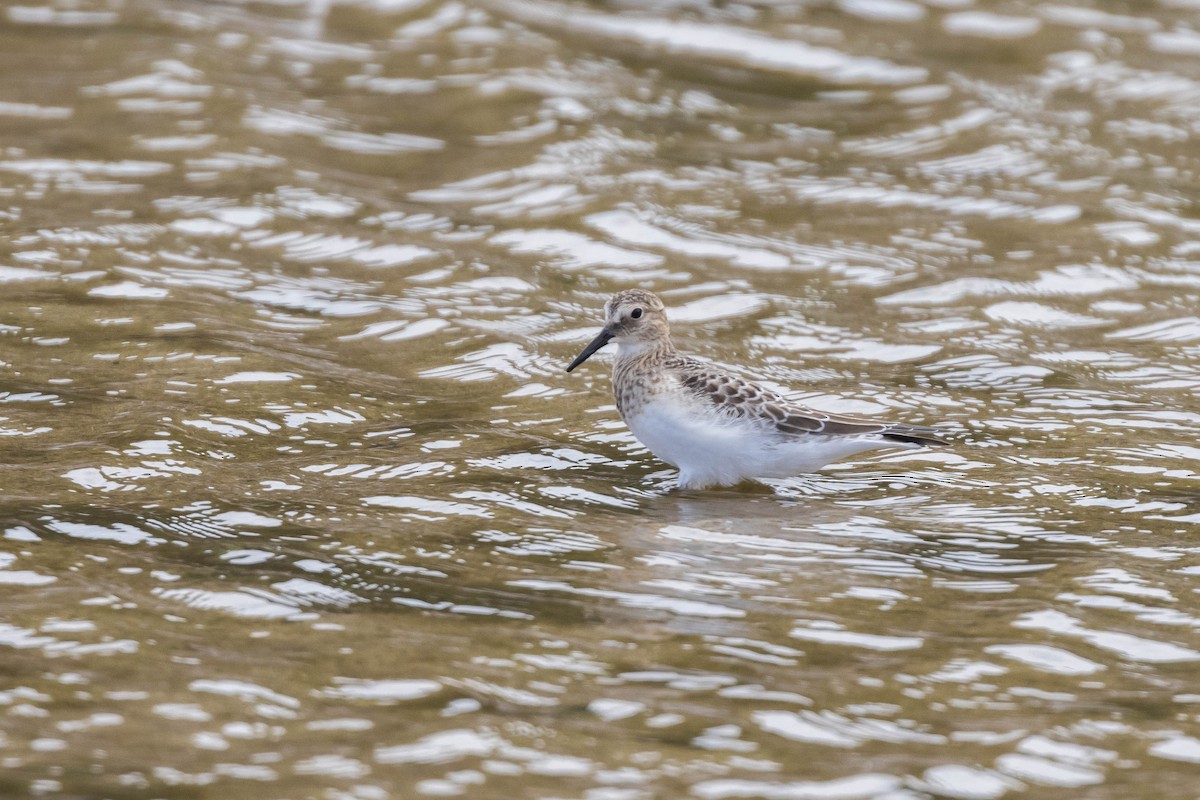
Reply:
x=299, y=502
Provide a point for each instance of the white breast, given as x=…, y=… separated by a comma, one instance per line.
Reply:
x=706, y=450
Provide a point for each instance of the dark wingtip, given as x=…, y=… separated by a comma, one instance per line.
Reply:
x=923, y=439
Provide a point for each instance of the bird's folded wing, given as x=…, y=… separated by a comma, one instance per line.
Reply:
x=742, y=398
x=801, y=420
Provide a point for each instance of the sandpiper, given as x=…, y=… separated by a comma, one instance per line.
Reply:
x=716, y=428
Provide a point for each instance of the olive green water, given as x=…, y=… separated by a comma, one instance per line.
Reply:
x=298, y=502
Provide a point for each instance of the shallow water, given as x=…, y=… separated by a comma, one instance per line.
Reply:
x=298, y=501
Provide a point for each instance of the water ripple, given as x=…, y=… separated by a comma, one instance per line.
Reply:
x=288, y=296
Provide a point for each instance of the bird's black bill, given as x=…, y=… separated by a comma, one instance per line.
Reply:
x=601, y=339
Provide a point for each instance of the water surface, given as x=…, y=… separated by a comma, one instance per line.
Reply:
x=298, y=501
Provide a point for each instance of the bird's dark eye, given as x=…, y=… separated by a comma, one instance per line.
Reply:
x=636, y=313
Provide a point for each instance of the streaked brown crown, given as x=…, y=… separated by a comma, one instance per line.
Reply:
x=633, y=298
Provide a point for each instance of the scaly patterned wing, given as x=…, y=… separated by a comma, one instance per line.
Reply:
x=741, y=398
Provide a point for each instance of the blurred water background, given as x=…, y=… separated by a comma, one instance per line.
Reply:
x=298, y=502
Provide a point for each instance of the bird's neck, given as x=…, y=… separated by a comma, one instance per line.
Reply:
x=636, y=370
x=645, y=350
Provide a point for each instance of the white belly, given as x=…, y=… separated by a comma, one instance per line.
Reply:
x=711, y=450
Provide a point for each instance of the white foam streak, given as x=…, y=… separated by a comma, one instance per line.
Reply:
x=721, y=45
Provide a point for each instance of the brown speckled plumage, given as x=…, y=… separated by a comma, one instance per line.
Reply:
x=686, y=410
